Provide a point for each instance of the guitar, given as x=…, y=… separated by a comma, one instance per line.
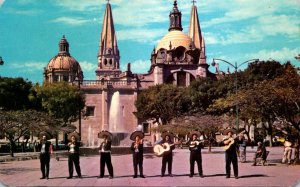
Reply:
x=196, y=143
x=230, y=141
x=161, y=149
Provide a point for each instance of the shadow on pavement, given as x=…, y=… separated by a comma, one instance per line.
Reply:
x=12, y=171
x=149, y=156
x=176, y=175
x=256, y=175
x=215, y=175
x=58, y=177
x=75, y=177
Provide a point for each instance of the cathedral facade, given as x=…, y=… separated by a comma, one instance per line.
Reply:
x=178, y=59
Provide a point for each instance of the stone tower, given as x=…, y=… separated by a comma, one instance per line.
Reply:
x=196, y=35
x=108, y=55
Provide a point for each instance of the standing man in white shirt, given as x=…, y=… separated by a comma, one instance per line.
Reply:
x=45, y=148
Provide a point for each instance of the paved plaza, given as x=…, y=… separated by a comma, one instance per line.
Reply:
x=27, y=173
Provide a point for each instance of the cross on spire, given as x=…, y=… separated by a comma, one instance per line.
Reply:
x=193, y=1
x=107, y=1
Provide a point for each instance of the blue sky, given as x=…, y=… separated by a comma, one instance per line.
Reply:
x=234, y=30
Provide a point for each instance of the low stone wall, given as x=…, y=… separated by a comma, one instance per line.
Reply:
x=31, y=156
x=84, y=151
x=87, y=151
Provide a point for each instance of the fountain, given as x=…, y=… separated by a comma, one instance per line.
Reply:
x=91, y=137
x=116, y=126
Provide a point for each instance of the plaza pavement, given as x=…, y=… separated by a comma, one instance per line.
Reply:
x=27, y=173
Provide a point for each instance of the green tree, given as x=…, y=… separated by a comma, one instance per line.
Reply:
x=21, y=123
x=163, y=102
x=207, y=124
x=267, y=99
x=14, y=93
x=62, y=100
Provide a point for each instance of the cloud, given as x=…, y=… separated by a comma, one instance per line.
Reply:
x=266, y=26
x=79, y=5
x=138, y=66
x=141, y=35
x=1, y=2
x=74, y=21
x=251, y=21
x=281, y=24
x=28, y=66
x=145, y=13
x=31, y=12
x=87, y=66
x=282, y=55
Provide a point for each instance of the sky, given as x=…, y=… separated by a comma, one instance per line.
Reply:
x=234, y=30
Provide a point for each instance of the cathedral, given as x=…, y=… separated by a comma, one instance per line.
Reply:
x=178, y=59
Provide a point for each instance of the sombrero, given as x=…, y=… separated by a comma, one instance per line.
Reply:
x=226, y=131
x=44, y=133
x=164, y=134
x=197, y=133
x=104, y=133
x=75, y=134
x=135, y=134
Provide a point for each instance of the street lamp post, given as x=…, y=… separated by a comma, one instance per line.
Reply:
x=1, y=61
x=79, y=113
x=236, y=67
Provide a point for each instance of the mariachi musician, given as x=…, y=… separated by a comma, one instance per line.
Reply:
x=105, y=154
x=45, y=148
x=195, y=147
x=231, y=145
x=167, y=157
x=73, y=149
x=137, y=149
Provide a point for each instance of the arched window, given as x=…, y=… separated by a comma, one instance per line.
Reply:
x=179, y=53
x=105, y=61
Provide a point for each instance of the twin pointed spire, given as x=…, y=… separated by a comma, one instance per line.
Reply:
x=195, y=32
x=108, y=54
x=194, y=28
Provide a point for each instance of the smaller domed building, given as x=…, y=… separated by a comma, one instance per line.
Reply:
x=63, y=67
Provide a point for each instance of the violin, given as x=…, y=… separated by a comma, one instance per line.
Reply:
x=137, y=143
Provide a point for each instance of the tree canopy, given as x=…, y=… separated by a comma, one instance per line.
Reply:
x=62, y=100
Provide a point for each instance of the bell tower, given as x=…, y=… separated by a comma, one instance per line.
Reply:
x=175, y=18
x=108, y=54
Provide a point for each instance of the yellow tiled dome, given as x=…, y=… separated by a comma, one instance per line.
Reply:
x=177, y=38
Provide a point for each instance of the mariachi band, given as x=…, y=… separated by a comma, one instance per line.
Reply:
x=163, y=148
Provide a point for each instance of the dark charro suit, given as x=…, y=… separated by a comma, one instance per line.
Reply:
x=167, y=158
x=137, y=155
x=105, y=158
x=74, y=160
x=195, y=156
x=44, y=148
